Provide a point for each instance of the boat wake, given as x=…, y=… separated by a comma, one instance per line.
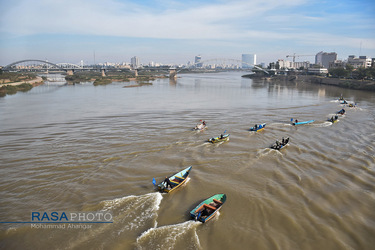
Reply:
x=131, y=215
x=178, y=236
x=324, y=124
x=126, y=210
x=187, y=180
x=266, y=151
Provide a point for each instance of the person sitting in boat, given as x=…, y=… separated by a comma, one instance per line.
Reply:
x=221, y=136
x=255, y=127
x=296, y=121
x=204, y=123
x=167, y=182
x=286, y=141
x=283, y=141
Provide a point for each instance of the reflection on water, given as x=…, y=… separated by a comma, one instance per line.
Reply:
x=82, y=148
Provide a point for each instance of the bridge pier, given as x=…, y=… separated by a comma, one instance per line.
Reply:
x=172, y=74
x=70, y=72
x=136, y=72
x=103, y=72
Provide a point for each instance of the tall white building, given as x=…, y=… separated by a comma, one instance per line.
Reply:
x=249, y=60
x=134, y=61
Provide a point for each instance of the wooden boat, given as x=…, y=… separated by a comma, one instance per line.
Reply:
x=344, y=102
x=341, y=112
x=175, y=180
x=333, y=119
x=220, y=138
x=258, y=127
x=279, y=145
x=208, y=208
x=300, y=123
x=200, y=126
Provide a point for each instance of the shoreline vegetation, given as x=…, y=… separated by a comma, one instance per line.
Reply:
x=12, y=82
x=114, y=76
x=367, y=85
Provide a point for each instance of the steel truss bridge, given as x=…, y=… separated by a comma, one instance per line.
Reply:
x=226, y=61
x=38, y=65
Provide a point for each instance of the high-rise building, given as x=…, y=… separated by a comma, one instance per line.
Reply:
x=197, y=62
x=248, y=60
x=134, y=61
x=323, y=58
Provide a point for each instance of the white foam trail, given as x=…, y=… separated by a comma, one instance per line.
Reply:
x=131, y=214
x=166, y=237
x=324, y=124
x=263, y=152
x=278, y=151
x=135, y=211
x=187, y=180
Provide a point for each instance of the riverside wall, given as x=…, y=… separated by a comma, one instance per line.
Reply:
x=339, y=82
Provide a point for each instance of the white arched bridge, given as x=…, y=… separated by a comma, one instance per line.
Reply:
x=35, y=64
x=226, y=61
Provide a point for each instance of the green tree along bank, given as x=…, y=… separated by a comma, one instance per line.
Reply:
x=8, y=78
x=350, y=72
x=111, y=76
x=11, y=77
x=11, y=90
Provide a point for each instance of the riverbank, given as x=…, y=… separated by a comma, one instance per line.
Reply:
x=339, y=82
x=35, y=82
x=12, y=88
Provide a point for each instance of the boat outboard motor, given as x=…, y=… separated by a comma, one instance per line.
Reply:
x=197, y=216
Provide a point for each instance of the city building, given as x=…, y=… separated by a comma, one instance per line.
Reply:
x=361, y=62
x=134, y=62
x=337, y=64
x=249, y=60
x=323, y=58
x=197, y=61
x=317, y=71
x=282, y=64
x=299, y=65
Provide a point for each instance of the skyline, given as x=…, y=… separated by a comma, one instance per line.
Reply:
x=169, y=31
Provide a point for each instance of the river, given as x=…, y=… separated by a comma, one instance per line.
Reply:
x=89, y=148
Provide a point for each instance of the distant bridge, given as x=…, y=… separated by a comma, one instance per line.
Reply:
x=44, y=65
x=225, y=61
x=37, y=65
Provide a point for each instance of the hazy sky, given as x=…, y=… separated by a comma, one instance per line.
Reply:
x=174, y=31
